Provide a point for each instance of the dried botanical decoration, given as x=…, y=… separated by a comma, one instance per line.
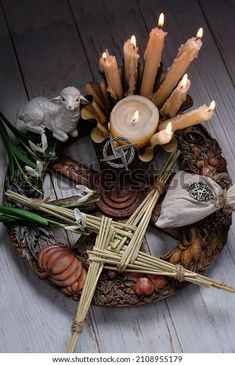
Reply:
x=117, y=264
x=189, y=249
x=62, y=269
x=34, y=238
x=144, y=286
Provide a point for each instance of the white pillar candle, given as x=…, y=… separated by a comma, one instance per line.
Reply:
x=193, y=117
x=186, y=54
x=152, y=58
x=162, y=137
x=134, y=118
x=177, y=98
x=108, y=65
x=131, y=58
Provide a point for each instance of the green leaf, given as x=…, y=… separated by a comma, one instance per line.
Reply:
x=14, y=130
x=4, y=133
x=7, y=218
x=22, y=156
x=12, y=149
x=11, y=167
x=23, y=214
x=6, y=140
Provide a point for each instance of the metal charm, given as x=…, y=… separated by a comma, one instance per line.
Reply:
x=199, y=191
x=125, y=153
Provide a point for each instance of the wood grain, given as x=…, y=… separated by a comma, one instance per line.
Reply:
x=47, y=34
x=48, y=47
x=104, y=25
x=13, y=94
x=47, y=44
x=193, y=303
x=220, y=20
x=111, y=34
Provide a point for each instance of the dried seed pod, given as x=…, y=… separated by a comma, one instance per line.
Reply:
x=189, y=248
x=207, y=171
x=183, y=245
x=175, y=256
x=159, y=281
x=196, y=150
x=200, y=164
x=111, y=274
x=186, y=257
x=143, y=286
x=213, y=161
x=63, y=269
x=196, y=251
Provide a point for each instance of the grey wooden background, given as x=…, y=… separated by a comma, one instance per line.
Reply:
x=48, y=44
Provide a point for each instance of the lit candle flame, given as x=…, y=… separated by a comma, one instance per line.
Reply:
x=199, y=33
x=212, y=106
x=136, y=116
x=104, y=56
x=133, y=41
x=169, y=128
x=184, y=80
x=161, y=20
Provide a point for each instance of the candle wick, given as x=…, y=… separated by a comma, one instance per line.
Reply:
x=134, y=120
x=135, y=117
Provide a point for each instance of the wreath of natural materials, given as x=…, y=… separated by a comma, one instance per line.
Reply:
x=116, y=271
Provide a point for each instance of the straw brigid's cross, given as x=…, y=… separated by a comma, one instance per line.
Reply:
x=95, y=268
x=125, y=249
x=117, y=245
x=119, y=249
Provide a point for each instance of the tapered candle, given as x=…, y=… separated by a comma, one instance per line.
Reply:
x=131, y=58
x=134, y=118
x=177, y=98
x=108, y=65
x=186, y=120
x=186, y=54
x=152, y=58
x=162, y=137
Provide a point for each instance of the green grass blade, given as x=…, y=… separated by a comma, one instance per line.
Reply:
x=14, y=130
x=23, y=214
x=7, y=218
x=6, y=140
x=21, y=156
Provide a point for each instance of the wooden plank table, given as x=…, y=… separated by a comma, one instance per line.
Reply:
x=48, y=44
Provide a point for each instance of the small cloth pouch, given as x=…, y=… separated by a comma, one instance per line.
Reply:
x=191, y=198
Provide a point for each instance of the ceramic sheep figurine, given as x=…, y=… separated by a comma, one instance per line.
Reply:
x=60, y=115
